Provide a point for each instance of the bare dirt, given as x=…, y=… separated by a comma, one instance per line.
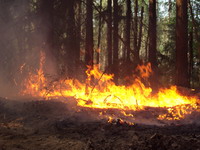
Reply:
x=54, y=125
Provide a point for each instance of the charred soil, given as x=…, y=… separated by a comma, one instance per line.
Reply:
x=54, y=125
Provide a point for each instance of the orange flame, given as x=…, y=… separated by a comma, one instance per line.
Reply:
x=105, y=94
x=34, y=85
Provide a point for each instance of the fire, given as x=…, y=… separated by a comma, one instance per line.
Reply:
x=103, y=93
x=34, y=85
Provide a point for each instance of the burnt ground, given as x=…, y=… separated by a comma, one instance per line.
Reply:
x=54, y=125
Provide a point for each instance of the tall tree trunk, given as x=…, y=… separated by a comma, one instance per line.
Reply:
x=89, y=33
x=146, y=41
x=78, y=26
x=135, y=44
x=195, y=26
x=46, y=24
x=182, y=76
x=71, y=40
x=193, y=20
x=115, y=40
x=89, y=42
x=146, y=47
x=128, y=28
x=191, y=56
x=152, y=33
x=152, y=45
x=99, y=33
x=140, y=30
x=77, y=42
x=109, y=34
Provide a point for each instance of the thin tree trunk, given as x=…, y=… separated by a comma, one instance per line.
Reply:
x=46, y=24
x=191, y=56
x=109, y=33
x=194, y=23
x=99, y=33
x=135, y=43
x=89, y=42
x=128, y=28
x=154, y=82
x=71, y=40
x=115, y=40
x=89, y=34
x=152, y=33
x=146, y=47
x=182, y=77
x=79, y=9
x=140, y=30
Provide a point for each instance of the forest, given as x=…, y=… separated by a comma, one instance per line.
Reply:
x=99, y=74
x=115, y=34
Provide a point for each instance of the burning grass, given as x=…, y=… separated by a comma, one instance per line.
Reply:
x=104, y=94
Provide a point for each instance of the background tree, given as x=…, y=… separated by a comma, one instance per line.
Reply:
x=135, y=42
x=89, y=33
x=99, y=32
x=182, y=76
x=128, y=29
x=115, y=39
x=72, y=53
x=152, y=33
x=69, y=32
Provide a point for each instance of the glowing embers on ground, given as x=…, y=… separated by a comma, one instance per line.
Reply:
x=105, y=94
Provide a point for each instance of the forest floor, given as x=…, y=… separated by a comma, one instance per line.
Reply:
x=52, y=125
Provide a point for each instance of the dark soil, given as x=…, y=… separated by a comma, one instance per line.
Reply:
x=55, y=125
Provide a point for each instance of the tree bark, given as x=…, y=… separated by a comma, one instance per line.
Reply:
x=195, y=26
x=191, y=56
x=128, y=28
x=109, y=33
x=89, y=43
x=72, y=44
x=152, y=33
x=154, y=78
x=135, y=43
x=79, y=10
x=89, y=33
x=99, y=33
x=146, y=47
x=115, y=40
x=140, y=31
x=46, y=24
x=182, y=76
x=46, y=28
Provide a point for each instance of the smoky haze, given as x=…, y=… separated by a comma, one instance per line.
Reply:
x=22, y=37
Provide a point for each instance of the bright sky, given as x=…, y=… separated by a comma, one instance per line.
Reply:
x=163, y=8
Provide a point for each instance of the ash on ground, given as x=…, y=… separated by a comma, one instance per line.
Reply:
x=54, y=125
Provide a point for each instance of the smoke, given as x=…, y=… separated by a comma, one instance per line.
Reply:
x=21, y=40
